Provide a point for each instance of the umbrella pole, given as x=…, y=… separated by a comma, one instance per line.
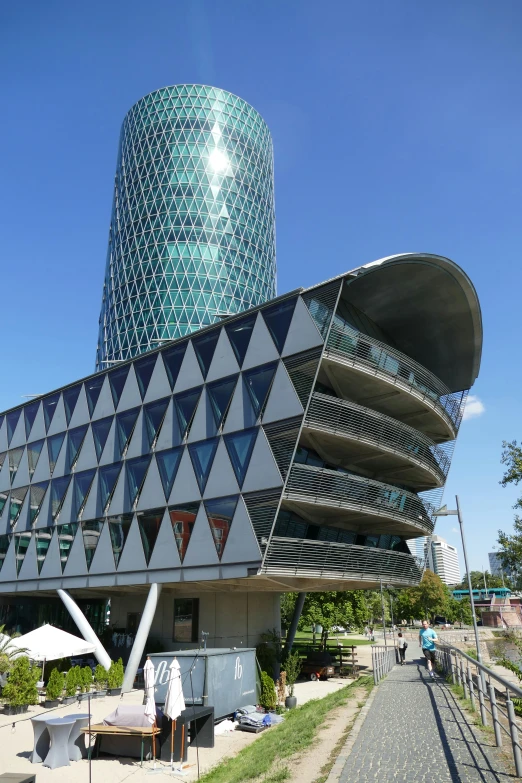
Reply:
x=172, y=730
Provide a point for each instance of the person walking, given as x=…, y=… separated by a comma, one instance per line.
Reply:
x=402, y=645
x=427, y=638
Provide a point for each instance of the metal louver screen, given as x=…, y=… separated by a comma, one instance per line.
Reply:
x=282, y=437
x=302, y=368
x=321, y=303
x=262, y=507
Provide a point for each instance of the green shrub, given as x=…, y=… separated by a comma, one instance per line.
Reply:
x=54, y=685
x=100, y=677
x=268, y=698
x=293, y=669
x=116, y=674
x=71, y=681
x=21, y=685
x=86, y=679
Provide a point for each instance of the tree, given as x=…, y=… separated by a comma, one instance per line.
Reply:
x=510, y=551
x=477, y=580
x=287, y=609
x=433, y=595
x=330, y=609
x=459, y=611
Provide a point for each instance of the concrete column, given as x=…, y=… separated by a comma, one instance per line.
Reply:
x=85, y=628
x=141, y=636
x=295, y=620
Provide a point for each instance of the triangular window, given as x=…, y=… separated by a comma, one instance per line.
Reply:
x=43, y=542
x=66, y=534
x=239, y=334
x=82, y=484
x=240, y=446
x=144, y=369
x=172, y=359
x=92, y=391
x=220, y=513
x=49, y=408
x=3, y=501
x=36, y=499
x=4, y=547
x=149, y=523
x=54, y=444
x=22, y=541
x=15, y=456
x=91, y=532
x=58, y=490
x=70, y=398
x=154, y=414
x=33, y=455
x=168, y=464
x=125, y=423
x=75, y=439
x=278, y=318
x=136, y=470
x=119, y=527
x=100, y=433
x=108, y=476
x=16, y=502
x=12, y=421
x=258, y=382
x=30, y=412
x=185, y=405
x=202, y=455
x=183, y=519
x=117, y=380
x=220, y=394
x=3, y=455
x=204, y=347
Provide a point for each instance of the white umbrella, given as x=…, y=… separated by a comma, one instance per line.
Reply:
x=48, y=643
x=174, y=705
x=150, y=704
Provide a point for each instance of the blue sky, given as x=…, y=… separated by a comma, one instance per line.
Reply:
x=397, y=127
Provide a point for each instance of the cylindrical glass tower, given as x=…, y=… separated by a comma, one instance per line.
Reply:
x=192, y=234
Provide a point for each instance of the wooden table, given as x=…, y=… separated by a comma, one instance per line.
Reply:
x=123, y=731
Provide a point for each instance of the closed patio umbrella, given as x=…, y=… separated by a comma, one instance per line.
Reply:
x=150, y=703
x=174, y=705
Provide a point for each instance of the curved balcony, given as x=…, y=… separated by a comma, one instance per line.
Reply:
x=357, y=438
x=362, y=565
x=373, y=374
x=355, y=503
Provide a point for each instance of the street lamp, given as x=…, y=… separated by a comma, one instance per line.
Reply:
x=383, y=616
x=390, y=587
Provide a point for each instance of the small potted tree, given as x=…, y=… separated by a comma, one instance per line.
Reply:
x=85, y=681
x=20, y=690
x=71, y=684
x=268, y=698
x=115, y=678
x=54, y=688
x=100, y=680
x=292, y=669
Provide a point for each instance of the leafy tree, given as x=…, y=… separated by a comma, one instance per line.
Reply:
x=510, y=551
x=330, y=609
x=21, y=685
x=55, y=685
x=287, y=609
x=459, y=611
x=268, y=697
x=477, y=580
x=428, y=599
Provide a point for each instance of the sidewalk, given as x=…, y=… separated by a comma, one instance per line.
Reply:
x=415, y=731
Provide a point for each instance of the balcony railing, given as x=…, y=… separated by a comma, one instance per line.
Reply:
x=349, y=420
x=355, y=493
x=303, y=558
x=346, y=342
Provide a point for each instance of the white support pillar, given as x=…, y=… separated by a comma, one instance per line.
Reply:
x=85, y=628
x=141, y=636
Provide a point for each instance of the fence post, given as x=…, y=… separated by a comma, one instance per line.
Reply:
x=457, y=667
x=514, y=736
x=453, y=668
x=374, y=667
x=494, y=715
x=483, y=712
x=464, y=681
x=471, y=688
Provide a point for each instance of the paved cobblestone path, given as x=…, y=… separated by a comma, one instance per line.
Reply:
x=416, y=732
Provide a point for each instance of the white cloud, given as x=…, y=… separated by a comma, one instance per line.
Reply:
x=454, y=530
x=474, y=407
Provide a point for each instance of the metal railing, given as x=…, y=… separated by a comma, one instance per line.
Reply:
x=493, y=693
x=344, y=341
x=356, y=493
x=349, y=420
x=383, y=660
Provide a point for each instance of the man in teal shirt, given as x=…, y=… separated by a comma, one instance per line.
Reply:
x=427, y=637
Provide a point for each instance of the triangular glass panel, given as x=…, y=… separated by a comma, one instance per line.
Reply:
x=36, y=498
x=92, y=390
x=202, y=455
x=75, y=439
x=1, y=421
x=125, y=423
x=70, y=398
x=220, y=394
x=4, y=547
x=30, y=412
x=108, y=476
x=15, y=455
x=258, y=382
x=66, y=534
x=22, y=541
x=168, y=464
x=3, y=501
x=3, y=455
x=91, y=532
x=240, y=446
x=16, y=502
x=204, y=347
x=117, y=380
x=136, y=470
x=49, y=408
x=277, y=318
x=33, y=455
x=144, y=369
x=119, y=527
x=12, y=421
x=54, y=444
x=100, y=432
x=58, y=490
x=154, y=414
x=239, y=334
x=43, y=542
x=220, y=513
x=149, y=523
x=186, y=404
x=82, y=485
x=183, y=519
x=173, y=359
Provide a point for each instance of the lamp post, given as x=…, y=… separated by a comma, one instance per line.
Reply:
x=383, y=617
x=389, y=587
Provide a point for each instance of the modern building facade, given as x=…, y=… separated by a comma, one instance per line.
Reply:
x=495, y=564
x=192, y=234
x=287, y=448
x=443, y=560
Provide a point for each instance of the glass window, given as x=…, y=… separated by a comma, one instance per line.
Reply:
x=100, y=432
x=186, y=405
x=22, y=541
x=173, y=359
x=149, y=523
x=278, y=318
x=144, y=369
x=43, y=541
x=183, y=519
x=30, y=412
x=4, y=546
x=136, y=470
x=16, y=502
x=220, y=513
x=49, y=408
x=117, y=380
x=58, y=489
x=202, y=455
x=108, y=476
x=12, y=421
x=258, y=382
x=66, y=534
x=33, y=454
x=91, y=532
x=204, y=347
x=125, y=423
x=15, y=455
x=36, y=499
x=3, y=501
x=75, y=440
x=119, y=527
x=92, y=390
x=70, y=398
x=81, y=488
x=186, y=620
x=220, y=394
x=240, y=446
x=154, y=414
x=54, y=444
x=168, y=463
x=239, y=334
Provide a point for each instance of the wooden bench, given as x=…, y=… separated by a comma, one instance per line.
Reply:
x=100, y=729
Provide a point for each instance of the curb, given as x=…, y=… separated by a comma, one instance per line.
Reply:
x=335, y=772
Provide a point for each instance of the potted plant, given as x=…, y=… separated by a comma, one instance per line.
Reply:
x=268, y=698
x=20, y=690
x=85, y=681
x=71, y=684
x=115, y=678
x=54, y=688
x=292, y=669
x=100, y=680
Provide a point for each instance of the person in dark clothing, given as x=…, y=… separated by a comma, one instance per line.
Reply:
x=401, y=646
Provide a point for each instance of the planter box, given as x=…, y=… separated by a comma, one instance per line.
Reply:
x=100, y=694
x=114, y=692
x=8, y=710
x=53, y=703
x=68, y=699
x=84, y=696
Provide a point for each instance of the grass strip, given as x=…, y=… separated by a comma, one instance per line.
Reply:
x=296, y=733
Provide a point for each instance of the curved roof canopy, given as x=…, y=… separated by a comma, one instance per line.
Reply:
x=430, y=309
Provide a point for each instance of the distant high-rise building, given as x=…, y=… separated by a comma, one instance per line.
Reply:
x=495, y=564
x=443, y=559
